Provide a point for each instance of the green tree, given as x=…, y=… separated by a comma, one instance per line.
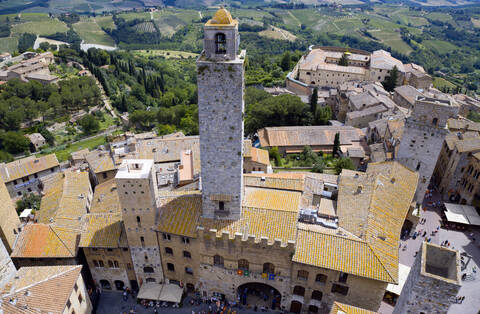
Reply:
x=164, y=129
x=44, y=46
x=343, y=60
x=319, y=166
x=336, y=145
x=391, y=80
x=314, y=101
x=343, y=163
x=323, y=115
x=29, y=200
x=275, y=155
x=15, y=142
x=89, y=124
x=285, y=61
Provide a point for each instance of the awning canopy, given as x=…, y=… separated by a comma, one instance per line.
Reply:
x=463, y=214
x=403, y=271
x=160, y=292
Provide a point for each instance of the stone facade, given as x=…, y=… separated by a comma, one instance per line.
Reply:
x=79, y=299
x=220, y=83
x=7, y=268
x=433, y=279
x=9, y=221
x=423, y=136
x=137, y=191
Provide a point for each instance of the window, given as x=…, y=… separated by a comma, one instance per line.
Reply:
x=185, y=240
x=110, y=264
x=80, y=298
x=302, y=275
x=146, y=257
x=317, y=295
x=170, y=267
x=299, y=290
x=343, y=290
x=150, y=280
x=115, y=264
x=166, y=236
x=218, y=260
x=268, y=268
x=187, y=254
x=435, y=121
x=104, y=174
x=95, y=263
x=139, y=224
x=19, y=193
x=189, y=270
x=110, y=250
x=243, y=264
x=69, y=304
x=15, y=182
x=29, y=190
x=75, y=287
x=100, y=262
x=220, y=43
x=342, y=277
x=221, y=205
x=148, y=269
x=418, y=166
x=168, y=251
x=321, y=278
x=142, y=240
x=35, y=175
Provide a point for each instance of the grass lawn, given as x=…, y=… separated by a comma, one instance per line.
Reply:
x=441, y=46
x=47, y=27
x=393, y=40
x=8, y=44
x=109, y=121
x=63, y=153
x=165, y=53
x=440, y=82
x=135, y=15
x=91, y=33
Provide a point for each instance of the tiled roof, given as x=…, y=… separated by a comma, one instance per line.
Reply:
x=271, y=199
x=260, y=156
x=468, y=145
x=283, y=180
x=28, y=166
x=408, y=92
x=179, y=213
x=102, y=230
x=105, y=198
x=382, y=59
x=80, y=154
x=8, y=214
x=100, y=161
x=308, y=135
x=41, y=240
x=462, y=124
x=43, y=289
x=340, y=308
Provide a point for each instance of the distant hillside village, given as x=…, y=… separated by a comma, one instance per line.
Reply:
x=217, y=218
x=28, y=66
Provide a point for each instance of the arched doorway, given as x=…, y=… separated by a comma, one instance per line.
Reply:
x=259, y=294
x=312, y=309
x=190, y=287
x=295, y=307
x=119, y=284
x=105, y=284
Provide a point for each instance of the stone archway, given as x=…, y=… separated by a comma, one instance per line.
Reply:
x=119, y=285
x=259, y=294
x=296, y=307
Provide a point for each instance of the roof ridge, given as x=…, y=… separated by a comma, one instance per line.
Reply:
x=64, y=244
x=381, y=263
x=73, y=267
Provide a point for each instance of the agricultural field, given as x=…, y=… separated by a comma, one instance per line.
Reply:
x=105, y=22
x=170, y=21
x=91, y=33
x=440, y=83
x=146, y=27
x=135, y=15
x=441, y=46
x=277, y=33
x=168, y=54
x=46, y=27
x=8, y=44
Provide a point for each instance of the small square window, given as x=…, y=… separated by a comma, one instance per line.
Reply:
x=69, y=304
x=75, y=287
x=80, y=298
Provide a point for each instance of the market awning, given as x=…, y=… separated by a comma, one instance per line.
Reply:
x=463, y=214
x=403, y=271
x=160, y=292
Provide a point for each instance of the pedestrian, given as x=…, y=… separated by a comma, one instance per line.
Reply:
x=461, y=300
x=124, y=295
x=424, y=234
x=416, y=253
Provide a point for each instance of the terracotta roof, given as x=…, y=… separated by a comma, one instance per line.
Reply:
x=28, y=166
x=283, y=180
x=271, y=199
x=105, y=198
x=382, y=59
x=102, y=230
x=43, y=289
x=41, y=240
x=260, y=156
x=308, y=135
x=222, y=17
x=463, y=124
x=80, y=154
x=179, y=213
x=408, y=92
x=340, y=308
x=100, y=161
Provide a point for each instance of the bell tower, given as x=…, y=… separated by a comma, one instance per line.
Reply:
x=220, y=79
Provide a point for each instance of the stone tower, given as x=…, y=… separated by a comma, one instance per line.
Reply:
x=137, y=191
x=433, y=279
x=220, y=111
x=9, y=221
x=423, y=137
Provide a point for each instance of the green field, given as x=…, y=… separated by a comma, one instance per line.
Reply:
x=46, y=27
x=440, y=82
x=135, y=15
x=8, y=44
x=64, y=154
x=165, y=53
x=91, y=33
x=441, y=46
x=105, y=22
x=439, y=16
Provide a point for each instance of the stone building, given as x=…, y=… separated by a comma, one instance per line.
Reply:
x=9, y=222
x=423, y=137
x=255, y=159
x=433, y=280
x=23, y=175
x=469, y=188
x=7, y=268
x=36, y=141
x=221, y=87
x=340, y=308
x=101, y=166
x=405, y=96
x=46, y=289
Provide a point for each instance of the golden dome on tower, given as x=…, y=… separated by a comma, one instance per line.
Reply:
x=222, y=17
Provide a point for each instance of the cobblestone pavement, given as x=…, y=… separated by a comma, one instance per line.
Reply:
x=112, y=303
x=460, y=240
